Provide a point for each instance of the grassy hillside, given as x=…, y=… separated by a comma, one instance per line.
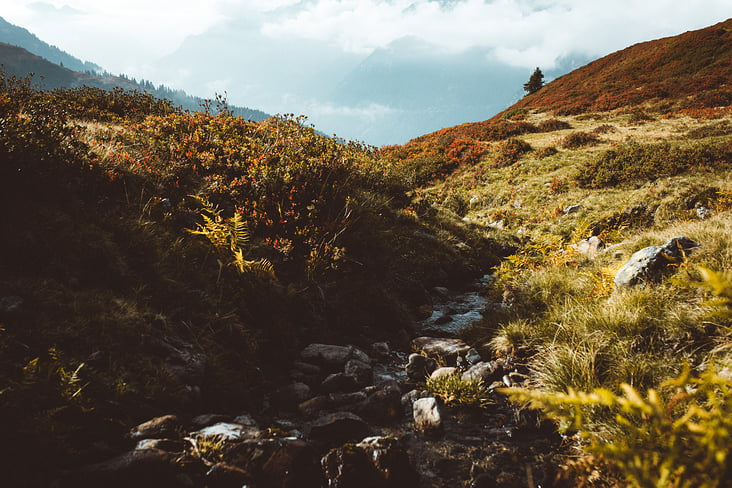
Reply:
x=633, y=156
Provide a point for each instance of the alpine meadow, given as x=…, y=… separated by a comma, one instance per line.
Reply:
x=190, y=298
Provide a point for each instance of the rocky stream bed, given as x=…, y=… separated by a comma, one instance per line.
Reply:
x=352, y=418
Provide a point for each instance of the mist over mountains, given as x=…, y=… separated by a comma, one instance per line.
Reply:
x=390, y=95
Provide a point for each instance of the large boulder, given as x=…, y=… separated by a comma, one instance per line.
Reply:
x=652, y=263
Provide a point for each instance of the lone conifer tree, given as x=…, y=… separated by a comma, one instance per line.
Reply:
x=536, y=81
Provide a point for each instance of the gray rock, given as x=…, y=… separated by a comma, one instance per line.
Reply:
x=165, y=427
x=419, y=367
x=338, y=382
x=207, y=419
x=332, y=356
x=143, y=468
x=339, y=427
x=288, y=397
x=589, y=247
x=472, y=356
x=10, y=303
x=411, y=396
x=167, y=445
x=245, y=419
x=444, y=371
x=350, y=467
x=383, y=406
x=381, y=350
x=361, y=372
x=225, y=476
x=226, y=431
x=488, y=371
x=391, y=459
x=307, y=368
x=427, y=417
x=440, y=348
x=652, y=263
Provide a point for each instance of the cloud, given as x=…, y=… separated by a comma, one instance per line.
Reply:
x=522, y=32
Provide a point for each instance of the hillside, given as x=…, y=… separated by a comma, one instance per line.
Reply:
x=689, y=71
x=18, y=36
x=194, y=299
x=19, y=62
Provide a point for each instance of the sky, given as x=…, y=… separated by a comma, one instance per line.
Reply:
x=126, y=36
x=285, y=56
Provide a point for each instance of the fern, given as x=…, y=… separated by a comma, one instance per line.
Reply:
x=229, y=236
x=680, y=442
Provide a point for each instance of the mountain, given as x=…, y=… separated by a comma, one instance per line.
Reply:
x=18, y=36
x=691, y=70
x=22, y=53
x=386, y=96
x=19, y=62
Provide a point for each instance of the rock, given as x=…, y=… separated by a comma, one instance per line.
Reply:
x=444, y=371
x=589, y=247
x=294, y=465
x=331, y=356
x=307, y=368
x=381, y=350
x=338, y=400
x=207, y=419
x=652, y=263
x=315, y=405
x=572, y=209
x=441, y=293
x=427, y=418
x=339, y=427
x=167, y=426
x=227, y=431
x=167, y=445
x=419, y=367
x=424, y=311
x=383, y=406
x=440, y=348
x=361, y=372
x=392, y=461
x=288, y=397
x=472, y=356
x=408, y=399
x=703, y=212
x=143, y=468
x=225, y=476
x=488, y=371
x=245, y=419
x=350, y=467
x=338, y=382
x=10, y=304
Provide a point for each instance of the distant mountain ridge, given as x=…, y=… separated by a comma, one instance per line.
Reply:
x=18, y=36
x=19, y=60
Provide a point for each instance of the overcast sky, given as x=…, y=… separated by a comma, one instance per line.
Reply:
x=126, y=36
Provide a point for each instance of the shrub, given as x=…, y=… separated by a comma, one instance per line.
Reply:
x=466, y=151
x=509, y=152
x=579, y=139
x=545, y=152
x=552, y=125
x=453, y=389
